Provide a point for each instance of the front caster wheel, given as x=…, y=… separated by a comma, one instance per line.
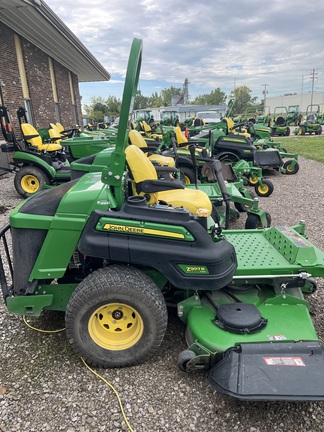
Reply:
x=183, y=358
x=253, y=221
x=289, y=168
x=265, y=190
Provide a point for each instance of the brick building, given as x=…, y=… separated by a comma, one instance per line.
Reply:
x=42, y=62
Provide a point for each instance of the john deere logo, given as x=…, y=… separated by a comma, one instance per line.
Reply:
x=122, y=228
x=128, y=229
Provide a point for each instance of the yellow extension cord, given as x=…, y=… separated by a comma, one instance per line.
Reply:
x=90, y=369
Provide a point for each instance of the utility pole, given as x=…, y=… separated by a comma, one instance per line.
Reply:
x=186, y=91
x=265, y=92
x=313, y=76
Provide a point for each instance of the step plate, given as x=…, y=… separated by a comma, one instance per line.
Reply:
x=271, y=371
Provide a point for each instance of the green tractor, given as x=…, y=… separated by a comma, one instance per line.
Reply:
x=279, y=125
x=263, y=117
x=38, y=164
x=311, y=123
x=170, y=118
x=112, y=260
x=294, y=116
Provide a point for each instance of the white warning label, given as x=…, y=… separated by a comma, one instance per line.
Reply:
x=284, y=361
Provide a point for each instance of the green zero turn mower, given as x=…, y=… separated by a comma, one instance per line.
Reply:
x=110, y=259
x=311, y=124
x=38, y=164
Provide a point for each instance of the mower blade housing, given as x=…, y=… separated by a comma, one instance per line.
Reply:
x=271, y=371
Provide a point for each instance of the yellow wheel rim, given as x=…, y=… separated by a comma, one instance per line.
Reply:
x=253, y=179
x=30, y=183
x=115, y=326
x=289, y=169
x=187, y=180
x=300, y=131
x=263, y=189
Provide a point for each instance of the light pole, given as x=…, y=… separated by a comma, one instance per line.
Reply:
x=302, y=91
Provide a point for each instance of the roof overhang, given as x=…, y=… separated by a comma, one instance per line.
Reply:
x=37, y=23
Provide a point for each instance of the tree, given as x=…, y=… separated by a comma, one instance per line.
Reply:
x=166, y=95
x=99, y=108
x=243, y=99
x=155, y=100
x=113, y=105
x=216, y=97
x=141, y=101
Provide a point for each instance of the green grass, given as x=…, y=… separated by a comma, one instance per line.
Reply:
x=310, y=147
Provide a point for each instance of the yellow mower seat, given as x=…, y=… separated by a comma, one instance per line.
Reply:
x=230, y=129
x=54, y=134
x=137, y=139
x=145, y=179
x=181, y=143
x=148, y=131
x=33, y=139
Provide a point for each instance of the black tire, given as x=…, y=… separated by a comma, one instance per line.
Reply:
x=290, y=170
x=265, y=190
x=227, y=157
x=301, y=130
x=241, y=207
x=253, y=221
x=272, y=131
x=183, y=358
x=187, y=174
x=29, y=180
x=116, y=317
x=319, y=130
x=287, y=131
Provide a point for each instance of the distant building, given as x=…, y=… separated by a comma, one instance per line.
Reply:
x=184, y=111
x=303, y=100
x=42, y=63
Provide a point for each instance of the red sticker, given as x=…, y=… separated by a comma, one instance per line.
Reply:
x=284, y=361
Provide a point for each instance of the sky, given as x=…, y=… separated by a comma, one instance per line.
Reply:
x=275, y=46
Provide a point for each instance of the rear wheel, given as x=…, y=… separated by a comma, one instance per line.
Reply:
x=301, y=130
x=289, y=168
x=287, y=131
x=29, y=180
x=116, y=317
x=253, y=221
x=227, y=158
x=266, y=189
x=187, y=175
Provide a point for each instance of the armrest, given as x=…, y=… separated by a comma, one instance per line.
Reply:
x=161, y=169
x=151, y=186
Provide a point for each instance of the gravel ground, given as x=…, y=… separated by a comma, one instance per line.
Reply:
x=47, y=388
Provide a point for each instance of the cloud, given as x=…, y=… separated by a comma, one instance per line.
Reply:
x=211, y=43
